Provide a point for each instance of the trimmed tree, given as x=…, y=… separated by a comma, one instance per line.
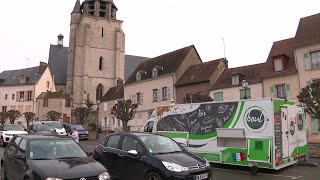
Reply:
x=310, y=97
x=197, y=98
x=124, y=110
x=53, y=115
x=3, y=117
x=29, y=116
x=13, y=115
x=80, y=114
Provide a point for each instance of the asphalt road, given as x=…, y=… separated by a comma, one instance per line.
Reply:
x=240, y=173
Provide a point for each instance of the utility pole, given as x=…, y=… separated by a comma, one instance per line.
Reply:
x=224, y=49
x=27, y=62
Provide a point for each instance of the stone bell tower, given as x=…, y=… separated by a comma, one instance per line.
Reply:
x=96, y=50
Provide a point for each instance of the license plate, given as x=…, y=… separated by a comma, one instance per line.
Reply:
x=201, y=176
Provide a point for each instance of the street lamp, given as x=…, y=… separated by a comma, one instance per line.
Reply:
x=245, y=87
x=97, y=122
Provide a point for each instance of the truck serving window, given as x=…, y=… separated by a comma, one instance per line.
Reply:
x=231, y=138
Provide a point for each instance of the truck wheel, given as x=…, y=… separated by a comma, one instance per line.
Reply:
x=254, y=170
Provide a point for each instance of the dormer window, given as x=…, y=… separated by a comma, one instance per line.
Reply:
x=138, y=76
x=155, y=72
x=235, y=79
x=22, y=79
x=278, y=65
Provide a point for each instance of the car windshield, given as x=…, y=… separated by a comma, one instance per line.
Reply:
x=78, y=127
x=13, y=127
x=160, y=144
x=55, y=125
x=43, y=127
x=55, y=149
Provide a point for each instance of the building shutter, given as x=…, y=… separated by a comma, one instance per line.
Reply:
x=307, y=61
x=168, y=93
x=17, y=96
x=248, y=93
x=141, y=98
x=314, y=125
x=241, y=93
x=25, y=96
x=272, y=91
x=288, y=91
x=159, y=95
x=105, y=106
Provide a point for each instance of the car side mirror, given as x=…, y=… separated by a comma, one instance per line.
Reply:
x=133, y=152
x=19, y=156
x=89, y=153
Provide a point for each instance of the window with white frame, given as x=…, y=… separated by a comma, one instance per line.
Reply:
x=164, y=93
x=21, y=95
x=278, y=65
x=155, y=94
x=29, y=98
x=155, y=72
x=218, y=96
x=139, y=96
x=245, y=93
x=315, y=59
x=235, y=79
x=281, y=91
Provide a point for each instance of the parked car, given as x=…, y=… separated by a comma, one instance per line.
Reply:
x=42, y=129
x=83, y=133
x=47, y=157
x=56, y=126
x=149, y=156
x=8, y=131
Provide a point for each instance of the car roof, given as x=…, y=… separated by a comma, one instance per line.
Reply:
x=42, y=136
x=138, y=133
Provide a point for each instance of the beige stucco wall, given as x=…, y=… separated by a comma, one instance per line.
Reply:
x=233, y=93
x=57, y=105
x=146, y=87
x=290, y=79
x=105, y=116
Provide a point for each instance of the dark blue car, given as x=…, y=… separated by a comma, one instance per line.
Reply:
x=83, y=133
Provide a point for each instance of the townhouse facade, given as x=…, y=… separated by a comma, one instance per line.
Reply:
x=19, y=88
x=152, y=82
x=54, y=101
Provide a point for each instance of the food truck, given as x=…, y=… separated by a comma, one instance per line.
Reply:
x=259, y=133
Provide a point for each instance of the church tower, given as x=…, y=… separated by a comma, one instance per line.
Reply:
x=96, y=50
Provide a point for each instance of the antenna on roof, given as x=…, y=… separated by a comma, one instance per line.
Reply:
x=27, y=62
x=224, y=49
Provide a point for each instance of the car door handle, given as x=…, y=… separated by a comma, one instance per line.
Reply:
x=104, y=151
x=121, y=155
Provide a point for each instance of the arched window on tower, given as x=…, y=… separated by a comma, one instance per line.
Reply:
x=100, y=63
x=99, y=92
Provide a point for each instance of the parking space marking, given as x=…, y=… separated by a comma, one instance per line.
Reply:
x=275, y=175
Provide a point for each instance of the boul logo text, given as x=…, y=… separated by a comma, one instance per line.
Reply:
x=255, y=119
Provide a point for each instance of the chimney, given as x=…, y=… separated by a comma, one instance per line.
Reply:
x=42, y=66
x=119, y=82
x=60, y=40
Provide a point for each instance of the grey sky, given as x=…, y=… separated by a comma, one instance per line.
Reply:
x=154, y=27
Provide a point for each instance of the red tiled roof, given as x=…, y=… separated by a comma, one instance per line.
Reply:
x=199, y=72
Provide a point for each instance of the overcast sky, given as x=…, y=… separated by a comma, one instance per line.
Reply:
x=155, y=27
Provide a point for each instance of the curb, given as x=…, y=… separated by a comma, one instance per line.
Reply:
x=309, y=164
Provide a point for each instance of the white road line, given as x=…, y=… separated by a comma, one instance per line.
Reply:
x=275, y=175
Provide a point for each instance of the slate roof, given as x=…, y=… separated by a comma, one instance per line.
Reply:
x=169, y=61
x=77, y=7
x=283, y=47
x=12, y=77
x=131, y=63
x=58, y=62
x=114, y=93
x=199, y=72
x=308, y=30
x=251, y=73
x=53, y=95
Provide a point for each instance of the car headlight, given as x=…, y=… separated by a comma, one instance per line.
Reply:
x=207, y=163
x=87, y=132
x=104, y=176
x=174, y=167
x=52, y=178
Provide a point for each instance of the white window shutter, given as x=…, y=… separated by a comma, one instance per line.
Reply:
x=273, y=92
x=107, y=122
x=307, y=61
x=159, y=95
x=141, y=98
x=135, y=98
x=288, y=91
x=105, y=106
x=168, y=93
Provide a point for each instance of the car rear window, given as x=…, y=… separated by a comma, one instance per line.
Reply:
x=113, y=141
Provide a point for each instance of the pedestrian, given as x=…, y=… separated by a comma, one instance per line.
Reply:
x=74, y=134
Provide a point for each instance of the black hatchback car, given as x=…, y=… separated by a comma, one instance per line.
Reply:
x=44, y=157
x=138, y=156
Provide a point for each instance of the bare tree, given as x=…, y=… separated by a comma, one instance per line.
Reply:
x=197, y=98
x=310, y=97
x=29, y=116
x=3, y=117
x=53, y=115
x=80, y=114
x=124, y=110
x=13, y=115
